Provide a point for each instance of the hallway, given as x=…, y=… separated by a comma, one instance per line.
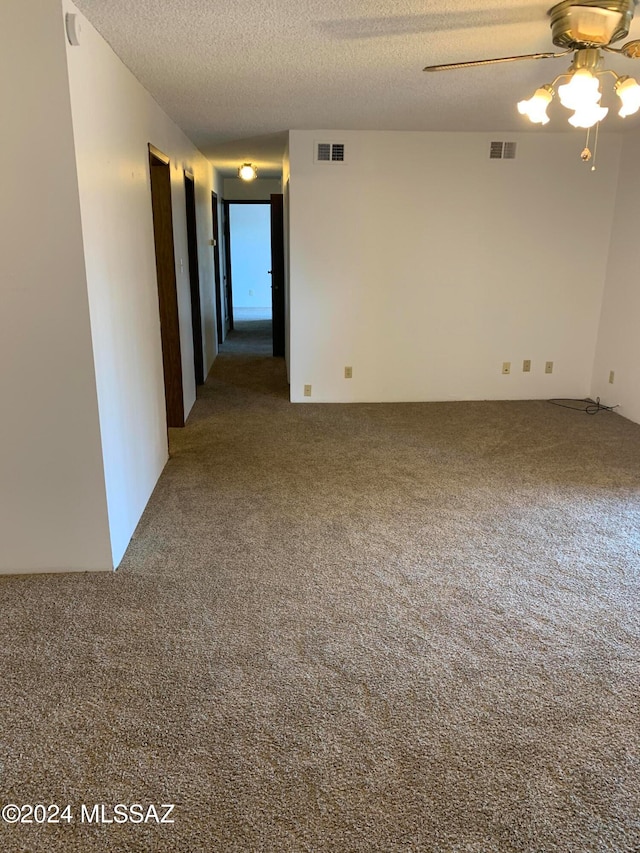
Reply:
x=249, y=336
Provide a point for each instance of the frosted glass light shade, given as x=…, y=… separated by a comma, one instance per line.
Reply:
x=536, y=107
x=588, y=116
x=628, y=90
x=581, y=92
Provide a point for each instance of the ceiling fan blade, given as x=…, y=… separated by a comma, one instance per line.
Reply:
x=451, y=66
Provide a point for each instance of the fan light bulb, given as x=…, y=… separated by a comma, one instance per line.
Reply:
x=247, y=172
x=588, y=116
x=628, y=90
x=536, y=107
x=581, y=92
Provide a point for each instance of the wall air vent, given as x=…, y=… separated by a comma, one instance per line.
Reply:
x=502, y=151
x=329, y=152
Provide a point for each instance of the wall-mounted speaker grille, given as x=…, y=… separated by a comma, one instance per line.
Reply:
x=329, y=152
x=502, y=151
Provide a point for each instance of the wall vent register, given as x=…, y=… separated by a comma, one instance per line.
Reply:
x=329, y=152
x=502, y=151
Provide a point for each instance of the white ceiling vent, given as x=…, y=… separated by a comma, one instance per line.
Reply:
x=329, y=152
x=502, y=151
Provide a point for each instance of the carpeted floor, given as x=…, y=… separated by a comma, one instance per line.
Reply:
x=345, y=628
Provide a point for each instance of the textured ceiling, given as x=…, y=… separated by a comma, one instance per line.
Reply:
x=237, y=75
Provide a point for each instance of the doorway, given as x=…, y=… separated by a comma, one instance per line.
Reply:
x=160, y=173
x=254, y=260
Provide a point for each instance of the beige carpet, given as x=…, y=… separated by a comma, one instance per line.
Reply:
x=345, y=628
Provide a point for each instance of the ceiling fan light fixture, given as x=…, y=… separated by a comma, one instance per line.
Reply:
x=628, y=90
x=535, y=108
x=247, y=172
x=586, y=29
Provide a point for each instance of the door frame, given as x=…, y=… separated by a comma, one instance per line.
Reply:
x=216, y=267
x=194, y=276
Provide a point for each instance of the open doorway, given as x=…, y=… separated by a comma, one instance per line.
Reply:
x=255, y=275
x=250, y=248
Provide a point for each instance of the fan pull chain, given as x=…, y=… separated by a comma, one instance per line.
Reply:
x=586, y=153
x=595, y=148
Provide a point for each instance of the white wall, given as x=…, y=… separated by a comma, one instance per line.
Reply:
x=114, y=119
x=53, y=513
x=424, y=265
x=618, y=346
x=258, y=190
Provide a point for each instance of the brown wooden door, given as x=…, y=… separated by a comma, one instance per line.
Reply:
x=167, y=286
x=277, y=273
x=228, y=292
x=216, y=267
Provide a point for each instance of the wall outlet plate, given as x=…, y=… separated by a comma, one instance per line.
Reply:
x=526, y=365
x=548, y=367
x=348, y=373
x=307, y=390
x=506, y=367
x=612, y=376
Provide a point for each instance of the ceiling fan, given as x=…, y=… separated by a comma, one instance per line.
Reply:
x=583, y=29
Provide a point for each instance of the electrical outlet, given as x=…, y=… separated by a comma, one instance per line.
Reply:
x=526, y=365
x=506, y=367
x=348, y=372
x=612, y=376
x=307, y=390
x=548, y=367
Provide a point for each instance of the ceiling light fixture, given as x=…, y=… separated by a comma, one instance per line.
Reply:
x=582, y=92
x=584, y=28
x=247, y=172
